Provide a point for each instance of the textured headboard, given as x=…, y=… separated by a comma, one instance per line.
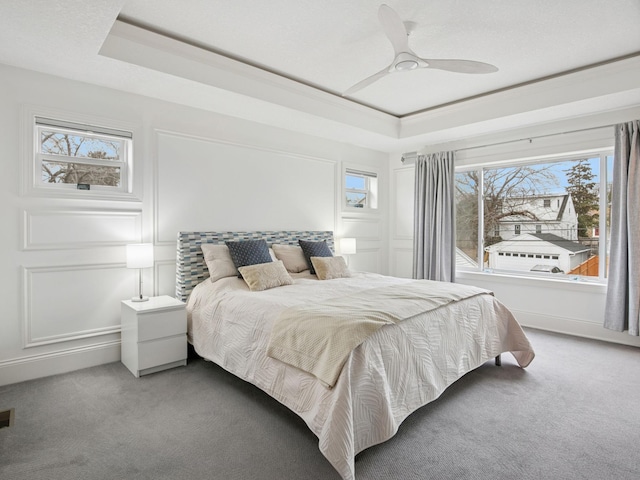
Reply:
x=190, y=266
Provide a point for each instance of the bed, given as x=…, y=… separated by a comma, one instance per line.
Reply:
x=400, y=367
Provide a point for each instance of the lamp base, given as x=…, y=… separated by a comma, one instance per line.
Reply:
x=140, y=299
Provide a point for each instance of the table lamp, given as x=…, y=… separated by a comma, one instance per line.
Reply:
x=140, y=255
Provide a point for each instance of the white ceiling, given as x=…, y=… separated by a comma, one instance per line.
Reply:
x=328, y=46
x=333, y=44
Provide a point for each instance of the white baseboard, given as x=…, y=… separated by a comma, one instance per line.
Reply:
x=575, y=327
x=44, y=365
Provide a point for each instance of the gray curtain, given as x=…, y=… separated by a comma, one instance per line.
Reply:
x=434, y=243
x=622, y=311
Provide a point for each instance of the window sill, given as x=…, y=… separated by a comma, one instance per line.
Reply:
x=567, y=282
x=96, y=194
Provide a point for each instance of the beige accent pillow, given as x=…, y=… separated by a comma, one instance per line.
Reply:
x=218, y=260
x=330, y=267
x=265, y=275
x=292, y=257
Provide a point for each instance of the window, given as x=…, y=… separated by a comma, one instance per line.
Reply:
x=573, y=215
x=70, y=155
x=361, y=189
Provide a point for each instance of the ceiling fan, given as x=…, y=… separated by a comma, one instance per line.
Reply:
x=405, y=59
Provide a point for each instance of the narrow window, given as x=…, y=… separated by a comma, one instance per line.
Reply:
x=74, y=156
x=516, y=229
x=361, y=189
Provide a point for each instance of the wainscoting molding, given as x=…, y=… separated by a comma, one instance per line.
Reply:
x=402, y=262
x=573, y=326
x=71, y=229
x=62, y=361
x=365, y=229
x=366, y=260
x=71, y=302
x=402, y=218
x=165, y=277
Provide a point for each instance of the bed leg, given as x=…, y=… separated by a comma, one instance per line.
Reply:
x=498, y=361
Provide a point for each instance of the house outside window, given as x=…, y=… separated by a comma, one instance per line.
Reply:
x=361, y=189
x=560, y=197
x=75, y=157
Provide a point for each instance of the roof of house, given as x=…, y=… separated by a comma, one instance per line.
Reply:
x=464, y=260
x=529, y=240
x=561, y=242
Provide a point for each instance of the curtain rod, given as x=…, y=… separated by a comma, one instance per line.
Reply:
x=530, y=139
x=411, y=157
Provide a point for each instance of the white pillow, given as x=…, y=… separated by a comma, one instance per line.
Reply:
x=328, y=268
x=218, y=260
x=263, y=276
x=292, y=257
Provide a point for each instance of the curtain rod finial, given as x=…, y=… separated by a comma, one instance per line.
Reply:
x=409, y=157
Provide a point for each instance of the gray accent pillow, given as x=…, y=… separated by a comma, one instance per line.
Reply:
x=314, y=249
x=249, y=252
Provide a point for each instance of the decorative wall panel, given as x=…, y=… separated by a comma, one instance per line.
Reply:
x=68, y=229
x=64, y=303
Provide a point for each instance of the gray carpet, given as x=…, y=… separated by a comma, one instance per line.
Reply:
x=573, y=414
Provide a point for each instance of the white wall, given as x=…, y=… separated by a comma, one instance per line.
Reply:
x=563, y=306
x=64, y=274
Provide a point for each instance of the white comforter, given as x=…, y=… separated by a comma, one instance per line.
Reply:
x=395, y=371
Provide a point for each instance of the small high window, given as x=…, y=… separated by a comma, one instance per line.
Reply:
x=361, y=189
x=74, y=156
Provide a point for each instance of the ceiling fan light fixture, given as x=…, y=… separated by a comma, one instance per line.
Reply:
x=405, y=59
x=406, y=65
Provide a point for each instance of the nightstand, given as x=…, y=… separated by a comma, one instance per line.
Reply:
x=154, y=334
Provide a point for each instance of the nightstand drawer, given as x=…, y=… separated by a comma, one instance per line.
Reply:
x=161, y=351
x=161, y=324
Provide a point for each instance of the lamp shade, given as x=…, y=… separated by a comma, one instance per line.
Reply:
x=140, y=255
x=347, y=246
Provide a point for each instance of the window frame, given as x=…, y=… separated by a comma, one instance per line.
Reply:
x=96, y=132
x=370, y=191
x=130, y=188
x=602, y=153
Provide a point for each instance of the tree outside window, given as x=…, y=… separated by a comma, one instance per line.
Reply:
x=547, y=213
x=69, y=154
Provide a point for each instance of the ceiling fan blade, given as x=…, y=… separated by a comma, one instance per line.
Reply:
x=366, y=82
x=394, y=29
x=461, y=66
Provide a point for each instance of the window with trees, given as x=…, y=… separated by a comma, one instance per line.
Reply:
x=361, y=189
x=69, y=155
x=548, y=219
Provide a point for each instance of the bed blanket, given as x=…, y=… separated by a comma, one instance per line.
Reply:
x=317, y=338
